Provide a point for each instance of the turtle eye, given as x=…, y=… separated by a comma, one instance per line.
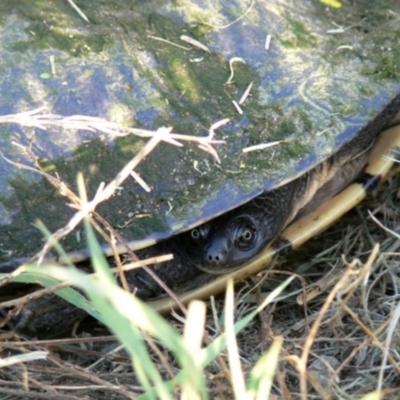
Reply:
x=195, y=234
x=199, y=234
x=245, y=235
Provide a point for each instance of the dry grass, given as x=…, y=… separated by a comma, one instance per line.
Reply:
x=348, y=333
x=350, y=329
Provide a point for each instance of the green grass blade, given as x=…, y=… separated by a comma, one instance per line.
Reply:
x=237, y=378
x=262, y=375
x=219, y=343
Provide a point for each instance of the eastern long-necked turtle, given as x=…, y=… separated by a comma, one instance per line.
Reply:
x=322, y=84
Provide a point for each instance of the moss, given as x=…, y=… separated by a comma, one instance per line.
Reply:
x=302, y=36
x=388, y=67
x=294, y=149
x=343, y=106
x=307, y=123
x=370, y=35
x=286, y=127
x=200, y=85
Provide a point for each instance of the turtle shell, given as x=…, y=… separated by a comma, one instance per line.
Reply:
x=317, y=76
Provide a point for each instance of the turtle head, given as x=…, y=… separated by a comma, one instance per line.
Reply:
x=229, y=241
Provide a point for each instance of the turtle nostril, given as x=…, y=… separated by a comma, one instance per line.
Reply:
x=214, y=258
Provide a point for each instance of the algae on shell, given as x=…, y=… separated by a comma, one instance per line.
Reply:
x=313, y=89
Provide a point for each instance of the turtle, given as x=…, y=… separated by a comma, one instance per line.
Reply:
x=278, y=73
x=367, y=167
